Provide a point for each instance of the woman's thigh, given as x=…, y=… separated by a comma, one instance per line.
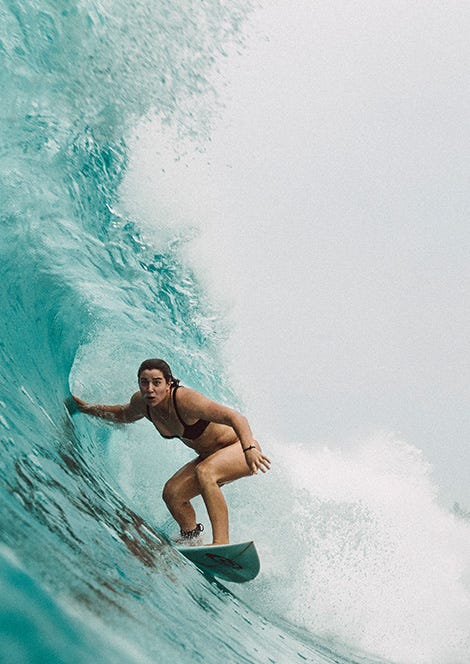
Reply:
x=183, y=483
x=225, y=465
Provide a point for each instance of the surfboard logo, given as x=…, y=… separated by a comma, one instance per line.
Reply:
x=221, y=560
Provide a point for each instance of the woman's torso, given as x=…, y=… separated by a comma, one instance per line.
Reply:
x=202, y=436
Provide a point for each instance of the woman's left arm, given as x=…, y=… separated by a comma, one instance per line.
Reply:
x=196, y=405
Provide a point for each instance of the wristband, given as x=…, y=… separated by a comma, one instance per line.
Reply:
x=252, y=447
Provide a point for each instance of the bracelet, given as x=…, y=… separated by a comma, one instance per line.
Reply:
x=252, y=447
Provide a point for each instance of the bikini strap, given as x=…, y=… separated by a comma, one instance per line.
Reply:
x=176, y=407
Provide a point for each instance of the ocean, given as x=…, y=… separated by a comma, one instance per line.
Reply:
x=361, y=563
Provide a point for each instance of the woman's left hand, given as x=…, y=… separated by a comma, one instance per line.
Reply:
x=256, y=460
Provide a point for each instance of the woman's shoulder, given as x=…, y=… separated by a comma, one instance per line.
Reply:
x=137, y=403
x=186, y=394
x=191, y=401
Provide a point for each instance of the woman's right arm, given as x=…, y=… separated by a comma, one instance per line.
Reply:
x=129, y=412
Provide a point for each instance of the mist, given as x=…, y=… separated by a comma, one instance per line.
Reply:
x=329, y=218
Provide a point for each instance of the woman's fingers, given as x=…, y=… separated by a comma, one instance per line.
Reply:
x=259, y=462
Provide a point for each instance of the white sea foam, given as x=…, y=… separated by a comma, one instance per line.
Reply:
x=356, y=547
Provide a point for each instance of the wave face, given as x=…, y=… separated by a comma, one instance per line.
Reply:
x=83, y=576
x=86, y=572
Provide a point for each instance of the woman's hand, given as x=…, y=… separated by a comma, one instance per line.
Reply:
x=255, y=459
x=81, y=405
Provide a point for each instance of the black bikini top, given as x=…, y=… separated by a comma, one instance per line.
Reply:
x=191, y=431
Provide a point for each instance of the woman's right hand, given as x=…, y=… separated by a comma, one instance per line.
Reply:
x=81, y=405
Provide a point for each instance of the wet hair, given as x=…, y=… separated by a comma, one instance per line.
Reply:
x=162, y=366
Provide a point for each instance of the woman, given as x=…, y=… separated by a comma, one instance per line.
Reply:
x=220, y=436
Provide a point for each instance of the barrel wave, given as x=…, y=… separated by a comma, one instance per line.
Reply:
x=83, y=576
x=86, y=570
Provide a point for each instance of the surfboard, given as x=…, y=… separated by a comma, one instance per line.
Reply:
x=230, y=562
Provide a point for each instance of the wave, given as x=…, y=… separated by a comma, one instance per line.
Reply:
x=85, y=567
x=83, y=574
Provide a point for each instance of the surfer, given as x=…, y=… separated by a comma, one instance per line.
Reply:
x=220, y=436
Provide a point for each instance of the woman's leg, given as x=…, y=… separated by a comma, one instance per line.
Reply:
x=223, y=466
x=177, y=493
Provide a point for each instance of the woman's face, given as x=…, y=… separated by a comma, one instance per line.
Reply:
x=153, y=386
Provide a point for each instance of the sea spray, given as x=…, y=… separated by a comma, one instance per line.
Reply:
x=354, y=543
x=361, y=550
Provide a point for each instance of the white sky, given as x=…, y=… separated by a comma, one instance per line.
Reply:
x=334, y=205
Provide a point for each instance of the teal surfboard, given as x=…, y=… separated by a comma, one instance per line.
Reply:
x=230, y=562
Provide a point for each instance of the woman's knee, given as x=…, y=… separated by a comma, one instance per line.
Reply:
x=169, y=493
x=205, y=473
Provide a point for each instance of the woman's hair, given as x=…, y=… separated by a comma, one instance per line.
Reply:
x=163, y=366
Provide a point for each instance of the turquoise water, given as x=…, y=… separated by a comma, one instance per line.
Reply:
x=86, y=573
